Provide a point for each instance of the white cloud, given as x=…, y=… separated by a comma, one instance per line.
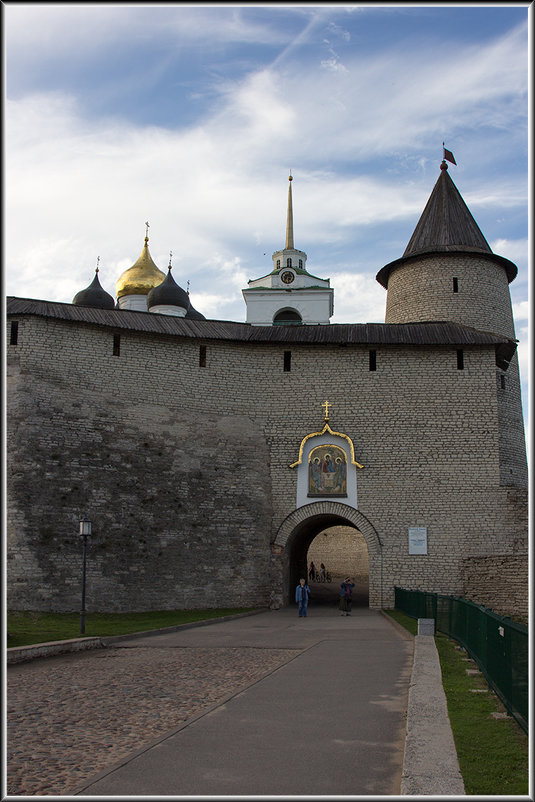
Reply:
x=93, y=28
x=515, y=250
x=357, y=299
x=522, y=311
x=214, y=190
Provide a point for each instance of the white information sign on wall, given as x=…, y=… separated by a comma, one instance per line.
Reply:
x=417, y=539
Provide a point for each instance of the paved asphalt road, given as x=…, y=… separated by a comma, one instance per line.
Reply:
x=329, y=721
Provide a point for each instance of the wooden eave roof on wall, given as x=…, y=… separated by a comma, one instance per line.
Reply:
x=427, y=334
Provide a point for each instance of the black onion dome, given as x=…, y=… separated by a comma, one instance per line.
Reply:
x=192, y=313
x=94, y=296
x=168, y=293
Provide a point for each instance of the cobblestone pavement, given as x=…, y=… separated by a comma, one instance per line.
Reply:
x=70, y=717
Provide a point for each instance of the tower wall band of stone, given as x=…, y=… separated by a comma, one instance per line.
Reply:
x=423, y=289
x=184, y=469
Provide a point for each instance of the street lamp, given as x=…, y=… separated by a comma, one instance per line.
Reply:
x=85, y=532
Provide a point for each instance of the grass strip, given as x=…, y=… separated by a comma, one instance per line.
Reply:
x=492, y=752
x=28, y=628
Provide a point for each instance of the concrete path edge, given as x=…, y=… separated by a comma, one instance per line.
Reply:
x=430, y=765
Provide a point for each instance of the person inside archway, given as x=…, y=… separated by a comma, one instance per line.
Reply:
x=346, y=595
x=312, y=572
x=302, y=592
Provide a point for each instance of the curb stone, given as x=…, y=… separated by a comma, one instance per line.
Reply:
x=20, y=654
x=430, y=765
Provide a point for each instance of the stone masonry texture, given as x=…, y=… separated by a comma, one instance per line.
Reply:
x=184, y=470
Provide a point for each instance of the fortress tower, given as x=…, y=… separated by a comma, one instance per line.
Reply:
x=449, y=272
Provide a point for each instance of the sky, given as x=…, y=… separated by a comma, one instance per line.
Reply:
x=191, y=117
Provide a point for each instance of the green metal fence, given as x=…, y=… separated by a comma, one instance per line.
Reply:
x=498, y=645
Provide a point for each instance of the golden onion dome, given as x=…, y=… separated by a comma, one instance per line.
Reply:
x=141, y=277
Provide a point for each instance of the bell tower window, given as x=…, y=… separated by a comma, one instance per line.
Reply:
x=288, y=262
x=287, y=317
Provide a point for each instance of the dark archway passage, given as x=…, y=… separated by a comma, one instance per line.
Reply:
x=299, y=530
x=322, y=593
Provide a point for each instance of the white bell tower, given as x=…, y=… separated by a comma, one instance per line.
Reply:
x=289, y=295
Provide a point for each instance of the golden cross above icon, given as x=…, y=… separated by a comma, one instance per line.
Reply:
x=326, y=404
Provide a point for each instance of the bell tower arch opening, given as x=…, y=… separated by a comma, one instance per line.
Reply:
x=301, y=528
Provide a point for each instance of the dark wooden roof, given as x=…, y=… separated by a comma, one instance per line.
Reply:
x=446, y=226
x=372, y=334
x=446, y=223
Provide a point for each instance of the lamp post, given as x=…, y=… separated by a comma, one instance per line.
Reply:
x=85, y=532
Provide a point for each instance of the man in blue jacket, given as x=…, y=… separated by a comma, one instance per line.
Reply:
x=302, y=593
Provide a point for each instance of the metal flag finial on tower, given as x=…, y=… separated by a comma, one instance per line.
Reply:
x=447, y=155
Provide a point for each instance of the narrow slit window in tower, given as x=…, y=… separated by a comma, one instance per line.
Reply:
x=455, y=285
x=373, y=359
x=14, y=336
x=287, y=361
x=460, y=359
x=202, y=356
x=116, y=345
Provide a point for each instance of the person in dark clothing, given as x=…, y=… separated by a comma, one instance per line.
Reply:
x=346, y=595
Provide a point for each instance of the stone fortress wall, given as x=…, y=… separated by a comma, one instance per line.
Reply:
x=184, y=469
x=177, y=440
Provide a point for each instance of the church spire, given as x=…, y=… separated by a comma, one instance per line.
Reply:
x=289, y=218
x=289, y=295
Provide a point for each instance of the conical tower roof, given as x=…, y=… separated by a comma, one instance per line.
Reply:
x=94, y=296
x=445, y=226
x=141, y=277
x=446, y=223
